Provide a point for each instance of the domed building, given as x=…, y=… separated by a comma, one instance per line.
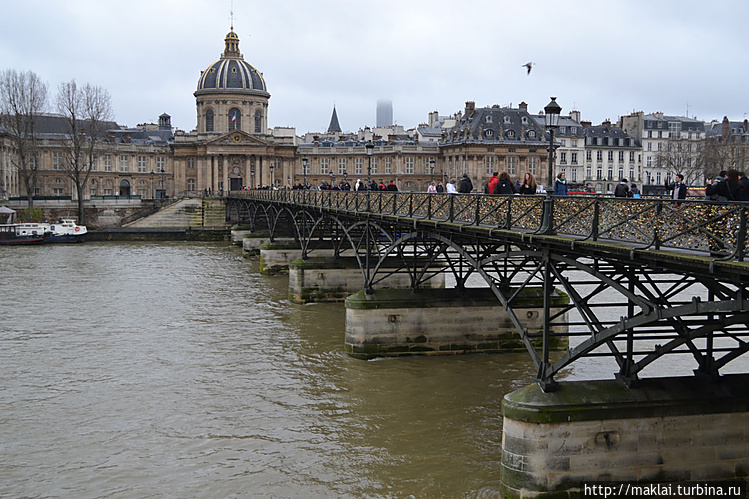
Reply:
x=231, y=146
x=231, y=94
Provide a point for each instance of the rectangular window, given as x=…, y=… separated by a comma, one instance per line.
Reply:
x=610, y=173
x=574, y=174
x=589, y=155
x=574, y=142
x=588, y=173
x=358, y=162
x=562, y=158
x=533, y=165
x=57, y=160
x=324, y=162
x=649, y=162
x=489, y=162
x=374, y=165
x=650, y=146
x=621, y=155
x=632, y=156
x=388, y=164
x=190, y=163
x=124, y=163
x=512, y=165
x=341, y=165
x=160, y=163
x=599, y=173
x=141, y=164
x=574, y=158
x=631, y=174
x=610, y=155
x=94, y=163
x=56, y=191
x=621, y=173
x=409, y=165
x=107, y=162
x=660, y=146
x=599, y=155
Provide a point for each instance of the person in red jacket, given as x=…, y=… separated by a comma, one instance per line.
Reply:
x=493, y=182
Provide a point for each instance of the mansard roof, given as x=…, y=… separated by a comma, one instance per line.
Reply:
x=660, y=121
x=619, y=137
x=496, y=124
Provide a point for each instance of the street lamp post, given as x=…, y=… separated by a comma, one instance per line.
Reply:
x=370, y=149
x=431, y=168
x=153, y=194
x=551, y=118
x=252, y=177
x=272, y=183
x=305, y=163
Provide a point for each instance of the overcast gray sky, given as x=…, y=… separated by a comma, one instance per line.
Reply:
x=603, y=58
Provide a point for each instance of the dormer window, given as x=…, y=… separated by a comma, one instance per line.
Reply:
x=488, y=118
x=524, y=120
x=507, y=119
x=489, y=134
x=510, y=134
x=532, y=134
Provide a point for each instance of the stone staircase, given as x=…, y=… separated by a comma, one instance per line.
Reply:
x=195, y=212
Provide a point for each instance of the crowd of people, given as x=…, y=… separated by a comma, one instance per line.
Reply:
x=729, y=185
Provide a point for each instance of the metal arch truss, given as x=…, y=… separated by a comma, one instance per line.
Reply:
x=628, y=310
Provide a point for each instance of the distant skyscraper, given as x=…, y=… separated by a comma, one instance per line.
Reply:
x=384, y=113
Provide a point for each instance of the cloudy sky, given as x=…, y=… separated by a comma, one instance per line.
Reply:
x=603, y=58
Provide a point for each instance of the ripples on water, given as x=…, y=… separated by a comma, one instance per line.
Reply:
x=176, y=370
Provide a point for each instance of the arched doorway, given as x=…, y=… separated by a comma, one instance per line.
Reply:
x=125, y=188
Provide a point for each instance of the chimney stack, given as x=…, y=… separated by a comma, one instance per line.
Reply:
x=470, y=108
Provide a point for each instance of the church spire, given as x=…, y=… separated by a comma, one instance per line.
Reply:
x=334, y=126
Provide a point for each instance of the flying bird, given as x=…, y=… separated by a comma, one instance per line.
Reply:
x=528, y=65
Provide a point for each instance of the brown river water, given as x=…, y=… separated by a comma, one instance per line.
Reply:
x=177, y=370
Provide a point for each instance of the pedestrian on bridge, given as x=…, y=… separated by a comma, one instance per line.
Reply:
x=450, y=187
x=678, y=189
x=466, y=186
x=622, y=190
x=560, y=185
x=529, y=185
x=505, y=185
x=492, y=182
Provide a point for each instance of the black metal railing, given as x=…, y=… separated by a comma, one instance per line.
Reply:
x=706, y=227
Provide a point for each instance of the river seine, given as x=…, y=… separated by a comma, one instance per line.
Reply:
x=177, y=370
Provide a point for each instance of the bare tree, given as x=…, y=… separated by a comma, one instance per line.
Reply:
x=23, y=97
x=724, y=153
x=681, y=157
x=87, y=111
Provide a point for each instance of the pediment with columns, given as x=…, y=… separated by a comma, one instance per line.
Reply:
x=238, y=137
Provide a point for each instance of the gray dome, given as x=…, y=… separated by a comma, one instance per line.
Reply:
x=231, y=72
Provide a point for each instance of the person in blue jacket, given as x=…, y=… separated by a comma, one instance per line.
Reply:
x=560, y=185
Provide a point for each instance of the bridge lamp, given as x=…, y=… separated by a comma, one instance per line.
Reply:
x=431, y=168
x=552, y=110
x=369, y=146
x=305, y=164
x=272, y=183
x=551, y=120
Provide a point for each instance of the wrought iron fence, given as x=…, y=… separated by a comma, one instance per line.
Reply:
x=700, y=226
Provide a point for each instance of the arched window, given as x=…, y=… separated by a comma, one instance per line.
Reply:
x=209, y=120
x=235, y=119
x=258, y=121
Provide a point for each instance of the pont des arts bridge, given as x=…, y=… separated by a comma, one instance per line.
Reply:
x=636, y=282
